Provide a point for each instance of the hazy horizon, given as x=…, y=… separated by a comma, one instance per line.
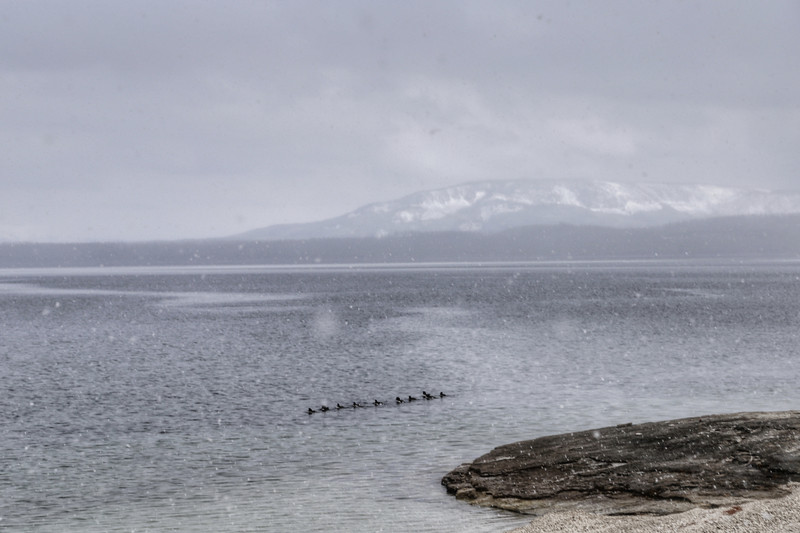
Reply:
x=446, y=218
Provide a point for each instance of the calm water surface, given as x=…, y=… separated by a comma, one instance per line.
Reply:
x=175, y=400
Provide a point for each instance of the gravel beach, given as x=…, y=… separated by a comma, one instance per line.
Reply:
x=763, y=516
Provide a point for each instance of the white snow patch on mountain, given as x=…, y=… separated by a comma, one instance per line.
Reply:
x=440, y=204
x=563, y=196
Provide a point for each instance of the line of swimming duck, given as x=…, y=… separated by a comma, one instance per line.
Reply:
x=355, y=405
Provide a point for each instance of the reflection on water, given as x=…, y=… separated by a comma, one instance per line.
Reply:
x=158, y=400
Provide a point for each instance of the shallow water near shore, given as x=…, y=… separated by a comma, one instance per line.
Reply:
x=175, y=399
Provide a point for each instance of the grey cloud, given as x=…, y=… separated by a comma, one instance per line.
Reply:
x=191, y=119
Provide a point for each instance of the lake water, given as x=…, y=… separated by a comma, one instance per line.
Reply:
x=175, y=399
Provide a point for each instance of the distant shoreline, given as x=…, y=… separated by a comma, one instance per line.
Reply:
x=92, y=270
x=745, y=237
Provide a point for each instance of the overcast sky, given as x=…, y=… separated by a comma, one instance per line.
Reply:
x=142, y=120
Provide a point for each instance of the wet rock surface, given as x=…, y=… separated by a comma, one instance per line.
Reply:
x=651, y=468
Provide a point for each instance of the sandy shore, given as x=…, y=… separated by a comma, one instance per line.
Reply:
x=777, y=515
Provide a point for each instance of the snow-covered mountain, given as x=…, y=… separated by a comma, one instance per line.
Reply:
x=493, y=206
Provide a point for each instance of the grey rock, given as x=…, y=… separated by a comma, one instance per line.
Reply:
x=651, y=468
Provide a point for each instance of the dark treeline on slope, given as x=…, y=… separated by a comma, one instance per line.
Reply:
x=728, y=237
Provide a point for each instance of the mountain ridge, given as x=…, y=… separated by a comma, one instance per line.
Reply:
x=494, y=206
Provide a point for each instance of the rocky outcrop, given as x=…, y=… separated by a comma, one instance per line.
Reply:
x=655, y=468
